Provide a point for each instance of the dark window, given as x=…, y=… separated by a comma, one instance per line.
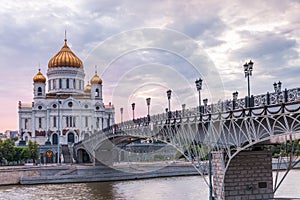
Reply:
x=68, y=83
x=60, y=83
x=70, y=104
x=71, y=138
x=97, y=93
x=54, y=106
x=40, y=107
x=86, y=121
x=54, y=139
x=74, y=83
x=67, y=121
x=40, y=91
x=97, y=108
x=71, y=121
x=26, y=124
x=40, y=122
x=54, y=121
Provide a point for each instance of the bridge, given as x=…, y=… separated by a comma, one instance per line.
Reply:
x=234, y=135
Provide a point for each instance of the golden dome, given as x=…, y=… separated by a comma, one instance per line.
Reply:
x=87, y=88
x=96, y=79
x=39, y=77
x=65, y=58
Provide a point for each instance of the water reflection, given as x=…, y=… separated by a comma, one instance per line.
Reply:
x=160, y=188
x=192, y=187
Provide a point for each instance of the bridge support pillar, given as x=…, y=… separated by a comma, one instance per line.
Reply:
x=104, y=154
x=249, y=176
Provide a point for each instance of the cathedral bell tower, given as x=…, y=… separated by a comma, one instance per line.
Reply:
x=39, y=84
x=96, y=87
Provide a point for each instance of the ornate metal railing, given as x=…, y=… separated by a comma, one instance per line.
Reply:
x=268, y=99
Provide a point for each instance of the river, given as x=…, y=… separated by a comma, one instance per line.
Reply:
x=189, y=187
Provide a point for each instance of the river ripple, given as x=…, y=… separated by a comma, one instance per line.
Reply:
x=190, y=187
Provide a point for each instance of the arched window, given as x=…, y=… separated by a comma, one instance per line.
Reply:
x=68, y=83
x=97, y=93
x=71, y=138
x=40, y=91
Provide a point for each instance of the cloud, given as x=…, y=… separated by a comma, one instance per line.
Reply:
x=217, y=36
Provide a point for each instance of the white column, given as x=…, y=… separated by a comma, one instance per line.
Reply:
x=33, y=124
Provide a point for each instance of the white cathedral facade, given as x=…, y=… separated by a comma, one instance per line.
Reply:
x=63, y=110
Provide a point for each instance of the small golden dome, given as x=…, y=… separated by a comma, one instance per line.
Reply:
x=39, y=77
x=87, y=88
x=96, y=79
x=65, y=58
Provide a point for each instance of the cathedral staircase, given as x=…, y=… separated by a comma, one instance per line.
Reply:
x=66, y=154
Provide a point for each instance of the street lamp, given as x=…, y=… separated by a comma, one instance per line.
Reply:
x=234, y=97
x=277, y=86
x=198, y=83
x=169, y=92
x=121, y=110
x=248, y=67
x=148, y=100
x=133, y=107
x=58, y=129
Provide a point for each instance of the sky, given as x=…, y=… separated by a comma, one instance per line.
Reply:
x=143, y=48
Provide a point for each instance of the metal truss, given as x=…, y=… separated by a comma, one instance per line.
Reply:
x=226, y=128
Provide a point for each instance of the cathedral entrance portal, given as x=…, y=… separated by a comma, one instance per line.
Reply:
x=49, y=157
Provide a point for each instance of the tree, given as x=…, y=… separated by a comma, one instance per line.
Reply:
x=33, y=150
x=1, y=151
x=21, y=154
x=8, y=151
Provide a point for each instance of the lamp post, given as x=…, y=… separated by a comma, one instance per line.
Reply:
x=198, y=83
x=148, y=100
x=248, y=67
x=58, y=129
x=169, y=92
x=133, y=107
x=121, y=110
x=234, y=97
x=277, y=87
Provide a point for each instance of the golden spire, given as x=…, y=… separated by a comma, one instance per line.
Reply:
x=65, y=36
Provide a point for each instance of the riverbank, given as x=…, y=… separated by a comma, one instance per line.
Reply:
x=29, y=175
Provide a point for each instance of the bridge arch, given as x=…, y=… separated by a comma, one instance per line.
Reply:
x=83, y=156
